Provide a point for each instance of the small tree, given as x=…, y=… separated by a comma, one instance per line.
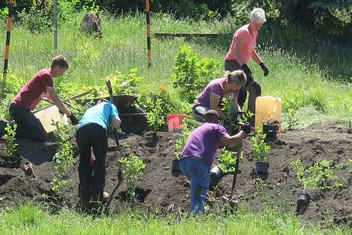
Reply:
x=319, y=175
x=133, y=167
x=10, y=144
x=259, y=146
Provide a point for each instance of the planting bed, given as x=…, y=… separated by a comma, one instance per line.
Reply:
x=162, y=192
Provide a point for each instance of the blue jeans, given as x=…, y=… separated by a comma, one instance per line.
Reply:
x=199, y=175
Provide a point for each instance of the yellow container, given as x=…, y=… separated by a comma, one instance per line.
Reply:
x=267, y=108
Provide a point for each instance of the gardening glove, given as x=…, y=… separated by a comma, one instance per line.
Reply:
x=264, y=68
x=246, y=70
x=73, y=119
x=246, y=128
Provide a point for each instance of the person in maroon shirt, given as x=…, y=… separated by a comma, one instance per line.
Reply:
x=39, y=87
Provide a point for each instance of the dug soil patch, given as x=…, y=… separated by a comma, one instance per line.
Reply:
x=161, y=191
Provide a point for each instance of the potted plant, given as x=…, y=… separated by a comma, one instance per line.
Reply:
x=11, y=159
x=319, y=175
x=226, y=164
x=270, y=128
x=260, y=149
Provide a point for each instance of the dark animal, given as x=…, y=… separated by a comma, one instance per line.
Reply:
x=91, y=24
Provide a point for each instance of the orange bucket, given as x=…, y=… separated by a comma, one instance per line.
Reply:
x=174, y=122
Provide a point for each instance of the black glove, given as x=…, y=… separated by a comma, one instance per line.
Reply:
x=246, y=128
x=73, y=119
x=246, y=70
x=264, y=68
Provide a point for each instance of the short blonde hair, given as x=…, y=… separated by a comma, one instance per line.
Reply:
x=258, y=15
x=237, y=76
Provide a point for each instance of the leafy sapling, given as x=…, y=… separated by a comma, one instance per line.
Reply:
x=259, y=147
x=10, y=144
x=132, y=169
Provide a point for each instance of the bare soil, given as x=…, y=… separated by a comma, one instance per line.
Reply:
x=161, y=191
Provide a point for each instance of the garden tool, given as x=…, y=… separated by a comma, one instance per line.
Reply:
x=230, y=199
x=114, y=130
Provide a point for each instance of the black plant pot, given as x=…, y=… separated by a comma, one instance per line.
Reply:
x=270, y=131
x=176, y=166
x=262, y=167
x=216, y=175
x=303, y=199
x=302, y=203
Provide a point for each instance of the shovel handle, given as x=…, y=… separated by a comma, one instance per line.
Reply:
x=108, y=84
x=239, y=150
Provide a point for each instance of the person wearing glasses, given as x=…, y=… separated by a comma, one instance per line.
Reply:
x=242, y=49
x=218, y=89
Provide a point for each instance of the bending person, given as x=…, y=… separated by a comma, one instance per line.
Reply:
x=216, y=90
x=92, y=133
x=198, y=155
x=39, y=87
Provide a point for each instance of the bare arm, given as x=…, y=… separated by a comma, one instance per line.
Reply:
x=116, y=122
x=233, y=141
x=57, y=101
x=214, y=104
x=256, y=57
x=237, y=50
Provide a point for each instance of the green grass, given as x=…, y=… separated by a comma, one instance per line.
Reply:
x=308, y=77
x=29, y=219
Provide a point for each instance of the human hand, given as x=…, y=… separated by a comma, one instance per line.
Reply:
x=73, y=119
x=246, y=128
x=246, y=70
x=264, y=68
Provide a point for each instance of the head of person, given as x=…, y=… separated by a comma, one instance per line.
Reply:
x=235, y=79
x=211, y=116
x=58, y=66
x=257, y=18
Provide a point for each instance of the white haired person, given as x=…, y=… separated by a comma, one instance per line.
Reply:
x=242, y=49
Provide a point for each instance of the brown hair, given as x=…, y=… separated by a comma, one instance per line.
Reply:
x=60, y=61
x=211, y=116
x=237, y=76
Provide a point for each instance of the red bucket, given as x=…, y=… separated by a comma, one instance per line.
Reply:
x=174, y=122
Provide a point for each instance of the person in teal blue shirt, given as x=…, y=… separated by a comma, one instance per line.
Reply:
x=91, y=133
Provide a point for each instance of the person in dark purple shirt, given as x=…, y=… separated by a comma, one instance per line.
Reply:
x=213, y=94
x=198, y=154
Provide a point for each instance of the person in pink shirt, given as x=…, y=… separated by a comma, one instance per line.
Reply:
x=39, y=87
x=242, y=49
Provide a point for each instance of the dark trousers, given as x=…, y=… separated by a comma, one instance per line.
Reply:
x=91, y=177
x=28, y=126
x=252, y=86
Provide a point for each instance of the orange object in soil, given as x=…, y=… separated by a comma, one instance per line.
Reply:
x=174, y=122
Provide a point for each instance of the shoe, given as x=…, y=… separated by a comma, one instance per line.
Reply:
x=105, y=197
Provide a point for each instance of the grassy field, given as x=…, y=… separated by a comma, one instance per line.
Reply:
x=310, y=78
x=306, y=82
x=29, y=220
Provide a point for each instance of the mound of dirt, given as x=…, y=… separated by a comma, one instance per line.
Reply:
x=161, y=191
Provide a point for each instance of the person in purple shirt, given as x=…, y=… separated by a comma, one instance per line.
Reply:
x=198, y=155
x=217, y=90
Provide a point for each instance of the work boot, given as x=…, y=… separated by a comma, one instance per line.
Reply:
x=3, y=124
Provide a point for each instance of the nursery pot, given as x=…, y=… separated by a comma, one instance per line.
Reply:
x=176, y=166
x=262, y=167
x=270, y=131
x=303, y=199
x=216, y=175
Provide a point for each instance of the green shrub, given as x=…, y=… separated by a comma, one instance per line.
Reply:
x=132, y=169
x=192, y=74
